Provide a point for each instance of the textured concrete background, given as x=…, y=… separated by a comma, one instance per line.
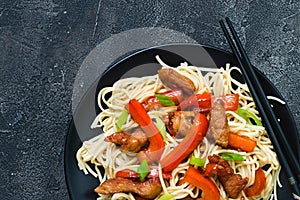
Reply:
x=43, y=43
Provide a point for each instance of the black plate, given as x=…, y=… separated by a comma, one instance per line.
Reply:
x=142, y=63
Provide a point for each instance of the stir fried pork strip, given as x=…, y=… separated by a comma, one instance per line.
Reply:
x=218, y=125
x=180, y=122
x=148, y=189
x=174, y=80
x=129, y=142
x=233, y=183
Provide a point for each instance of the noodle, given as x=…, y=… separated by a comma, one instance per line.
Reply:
x=219, y=82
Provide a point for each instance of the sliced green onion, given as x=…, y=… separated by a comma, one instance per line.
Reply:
x=247, y=115
x=143, y=170
x=122, y=119
x=296, y=197
x=166, y=197
x=164, y=100
x=161, y=127
x=197, y=161
x=232, y=156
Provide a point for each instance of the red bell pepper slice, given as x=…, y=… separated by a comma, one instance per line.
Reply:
x=231, y=101
x=127, y=173
x=141, y=117
x=203, y=102
x=240, y=142
x=175, y=95
x=211, y=170
x=199, y=102
x=208, y=187
x=258, y=185
x=187, y=145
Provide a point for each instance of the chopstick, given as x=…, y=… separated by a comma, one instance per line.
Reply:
x=284, y=152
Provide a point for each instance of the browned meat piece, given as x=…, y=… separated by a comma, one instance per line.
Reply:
x=148, y=189
x=137, y=197
x=180, y=122
x=225, y=168
x=174, y=80
x=232, y=183
x=218, y=125
x=129, y=143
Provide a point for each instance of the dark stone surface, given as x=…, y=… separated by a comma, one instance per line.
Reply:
x=43, y=44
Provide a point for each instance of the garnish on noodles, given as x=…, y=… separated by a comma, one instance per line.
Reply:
x=186, y=132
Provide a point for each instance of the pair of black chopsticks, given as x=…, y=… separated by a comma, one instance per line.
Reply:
x=286, y=156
